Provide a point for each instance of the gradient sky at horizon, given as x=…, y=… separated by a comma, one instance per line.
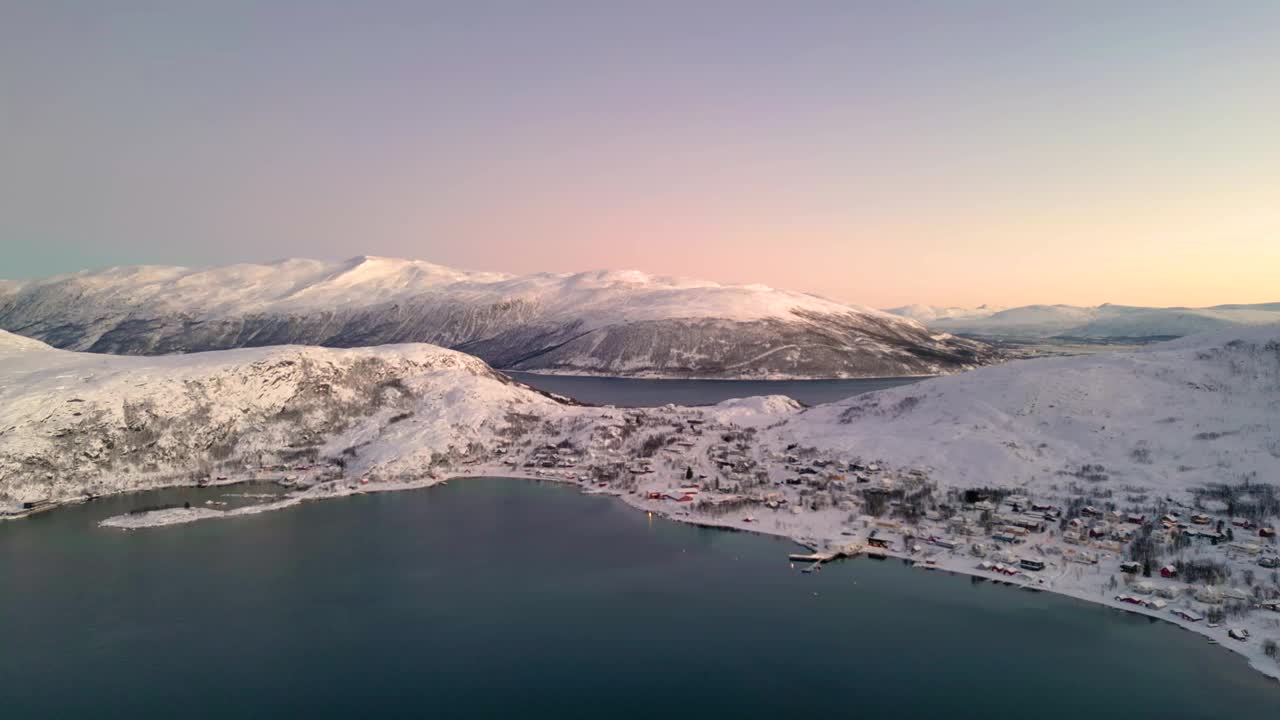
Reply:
x=876, y=152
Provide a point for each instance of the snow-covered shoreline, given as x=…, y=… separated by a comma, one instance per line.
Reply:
x=765, y=377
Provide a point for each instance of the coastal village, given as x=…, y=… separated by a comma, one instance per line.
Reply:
x=1209, y=562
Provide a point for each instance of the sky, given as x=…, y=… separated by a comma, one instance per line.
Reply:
x=883, y=153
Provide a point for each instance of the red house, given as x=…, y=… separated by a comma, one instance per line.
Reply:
x=1168, y=571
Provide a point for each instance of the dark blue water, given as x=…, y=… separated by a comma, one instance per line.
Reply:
x=626, y=392
x=501, y=598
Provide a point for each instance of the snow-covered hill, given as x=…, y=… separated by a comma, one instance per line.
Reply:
x=72, y=423
x=1104, y=322
x=1203, y=409
x=613, y=323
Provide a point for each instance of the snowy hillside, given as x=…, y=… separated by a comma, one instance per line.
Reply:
x=1163, y=419
x=1104, y=322
x=72, y=423
x=614, y=323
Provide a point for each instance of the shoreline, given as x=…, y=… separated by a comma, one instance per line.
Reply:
x=774, y=377
x=949, y=561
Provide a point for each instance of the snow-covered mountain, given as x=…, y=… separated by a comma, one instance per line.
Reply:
x=612, y=323
x=1173, y=415
x=1104, y=322
x=929, y=314
x=75, y=422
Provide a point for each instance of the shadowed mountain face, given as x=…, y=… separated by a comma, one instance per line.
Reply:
x=611, y=323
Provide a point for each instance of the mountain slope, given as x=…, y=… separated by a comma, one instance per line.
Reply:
x=1104, y=322
x=1165, y=418
x=616, y=323
x=72, y=422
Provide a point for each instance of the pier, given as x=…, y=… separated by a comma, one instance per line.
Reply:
x=817, y=559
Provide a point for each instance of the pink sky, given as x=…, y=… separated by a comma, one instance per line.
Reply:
x=952, y=154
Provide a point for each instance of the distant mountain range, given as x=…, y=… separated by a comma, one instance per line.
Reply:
x=605, y=323
x=1104, y=322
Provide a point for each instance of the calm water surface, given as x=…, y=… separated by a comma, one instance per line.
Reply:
x=626, y=392
x=504, y=598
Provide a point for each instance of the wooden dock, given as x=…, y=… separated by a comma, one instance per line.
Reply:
x=817, y=559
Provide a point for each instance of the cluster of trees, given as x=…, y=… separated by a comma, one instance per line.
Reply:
x=653, y=444
x=1257, y=502
x=1210, y=572
x=1144, y=549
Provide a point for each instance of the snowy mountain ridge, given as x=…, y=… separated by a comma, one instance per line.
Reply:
x=1103, y=322
x=606, y=322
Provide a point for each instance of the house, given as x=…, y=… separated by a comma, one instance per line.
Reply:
x=1269, y=562
x=1188, y=615
x=1169, y=591
x=1004, y=569
x=1155, y=604
x=1034, y=523
x=1143, y=587
x=1131, y=568
x=1209, y=595
x=878, y=542
x=1267, y=532
x=1168, y=571
x=1201, y=519
x=1032, y=564
x=1233, y=594
x=1122, y=533
x=1006, y=538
